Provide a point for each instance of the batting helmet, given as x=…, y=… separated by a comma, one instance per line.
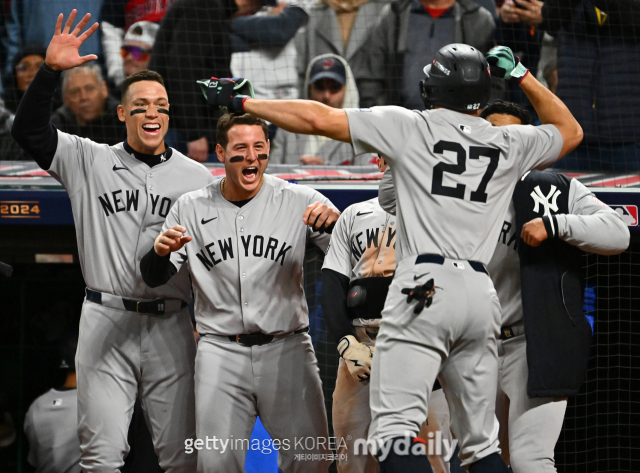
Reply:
x=458, y=78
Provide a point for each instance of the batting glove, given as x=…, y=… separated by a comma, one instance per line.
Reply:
x=503, y=64
x=358, y=357
x=423, y=294
x=227, y=94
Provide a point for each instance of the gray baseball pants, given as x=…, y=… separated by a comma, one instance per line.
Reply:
x=122, y=355
x=529, y=428
x=456, y=337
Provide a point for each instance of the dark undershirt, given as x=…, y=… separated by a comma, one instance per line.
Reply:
x=32, y=128
x=333, y=300
x=156, y=270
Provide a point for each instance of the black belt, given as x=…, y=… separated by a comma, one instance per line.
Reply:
x=258, y=338
x=437, y=259
x=154, y=307
x=509, y=332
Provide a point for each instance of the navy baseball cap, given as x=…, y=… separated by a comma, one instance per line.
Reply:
x=328, y=68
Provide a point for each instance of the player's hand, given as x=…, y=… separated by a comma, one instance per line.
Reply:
x=533, y=232
x=357, y=356
x=422, y=294
x=320, y=217
x=172, y=239
x=504, y=65
x=530, y=13
x=226, y=94
x=309, y=159
x=198, y=150
x=62, y=53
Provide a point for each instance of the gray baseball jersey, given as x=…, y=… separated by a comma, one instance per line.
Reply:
x=246, y=262
x=119, y=205
x=590, y=225
x=51, y=427
x=363, y=242
x=454, y=174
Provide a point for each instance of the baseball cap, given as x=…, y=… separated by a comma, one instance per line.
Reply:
x=142, y=31
x=328, y=68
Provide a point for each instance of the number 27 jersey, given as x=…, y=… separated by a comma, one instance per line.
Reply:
x=454, y=174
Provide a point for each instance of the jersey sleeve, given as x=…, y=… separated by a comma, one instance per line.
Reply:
x=592, y=225
x=179, y=257
x=321, y=240
x=384, y=130
x=338, y=257
x=30, y=433
x=538, y=146
x=73, y=160
x=387, y=193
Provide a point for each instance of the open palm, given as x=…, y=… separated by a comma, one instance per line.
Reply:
x=62, y=53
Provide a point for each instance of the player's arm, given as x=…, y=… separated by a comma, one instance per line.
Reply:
x=333, y=301
x=32, y=129
x=591, y=225
x=550, y=109
x=302, y=116
x=156, y=267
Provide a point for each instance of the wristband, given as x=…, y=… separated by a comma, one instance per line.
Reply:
x=550, y=225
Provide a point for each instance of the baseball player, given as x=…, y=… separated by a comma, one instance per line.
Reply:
x=133, y=341
x=243, y=239
x=51, y=423
x=454, y=175
x=356, y=274
x=530, y=427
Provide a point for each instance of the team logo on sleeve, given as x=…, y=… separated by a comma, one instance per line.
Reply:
x=465, y=129
x=629, y=214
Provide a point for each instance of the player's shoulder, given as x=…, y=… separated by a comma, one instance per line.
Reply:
x=207, y=192
x=371, y=205
x=288, y=189
x=188, y=164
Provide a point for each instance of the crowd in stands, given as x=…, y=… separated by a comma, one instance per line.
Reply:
x=344, y=53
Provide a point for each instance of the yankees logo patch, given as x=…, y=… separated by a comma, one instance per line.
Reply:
x=549, y=202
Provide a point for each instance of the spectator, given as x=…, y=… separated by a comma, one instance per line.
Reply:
x=193, y=43
x=342, y=27
x=264, y=49
x=598, y=68
x=136, y=49
x=328, y=80
x=88, y=111
x=116, y=18
x=28, y=24
x=26, y=63
x=518, y=29
x=409, y=35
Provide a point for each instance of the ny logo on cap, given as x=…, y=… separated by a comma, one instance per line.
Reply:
x=548, y=201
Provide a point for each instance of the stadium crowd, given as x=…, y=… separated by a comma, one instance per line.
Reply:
x=345, y=53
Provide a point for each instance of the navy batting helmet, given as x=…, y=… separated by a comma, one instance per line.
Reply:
x=458, y=78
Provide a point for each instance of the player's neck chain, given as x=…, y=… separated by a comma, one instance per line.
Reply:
x=224, y=179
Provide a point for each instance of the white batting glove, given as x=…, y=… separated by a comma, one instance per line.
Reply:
x=358, y=357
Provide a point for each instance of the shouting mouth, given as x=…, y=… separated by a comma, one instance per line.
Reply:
x=250, y=174
x=151, y=128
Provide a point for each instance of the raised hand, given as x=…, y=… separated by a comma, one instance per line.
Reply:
x=62, y=53
x=172, y=239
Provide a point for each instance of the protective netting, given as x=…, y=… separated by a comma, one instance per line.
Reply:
x=357, y=53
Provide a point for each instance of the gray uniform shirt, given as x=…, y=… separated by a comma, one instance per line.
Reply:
x=363, y=242
x=590, y=225
x=246, y=262
x=119, y=205
x=51, y=427
x=454, y=174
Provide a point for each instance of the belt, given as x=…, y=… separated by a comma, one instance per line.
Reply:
x=143, y=307
x=511, y=331
x=259, y=338
x=437, y=259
